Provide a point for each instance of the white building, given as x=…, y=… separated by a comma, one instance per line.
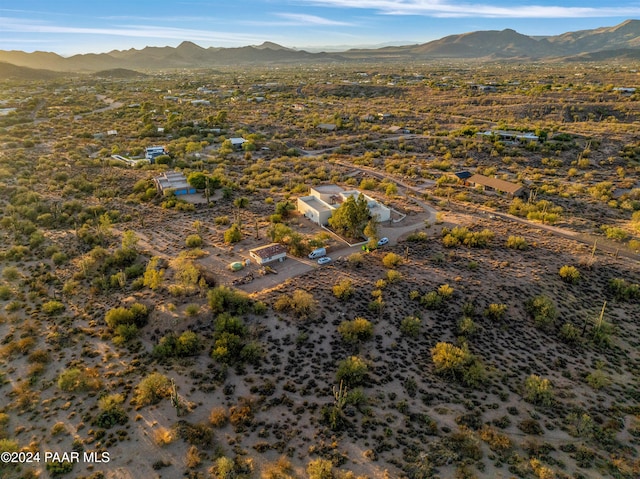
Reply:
x=324, y=199
x=269, y=253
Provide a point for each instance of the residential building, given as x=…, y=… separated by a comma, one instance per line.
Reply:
x=323, y=200
x=173, y=181
x=495, y=184
x=268, y=253
x=237, y=143
x=152, y=152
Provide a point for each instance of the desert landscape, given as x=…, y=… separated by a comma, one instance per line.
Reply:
x=495, y=335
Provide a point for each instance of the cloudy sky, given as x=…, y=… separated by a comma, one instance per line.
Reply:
x=70, y=26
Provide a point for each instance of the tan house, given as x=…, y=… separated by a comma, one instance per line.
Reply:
x=501, y=186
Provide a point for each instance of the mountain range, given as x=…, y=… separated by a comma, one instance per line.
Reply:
x=618, y=42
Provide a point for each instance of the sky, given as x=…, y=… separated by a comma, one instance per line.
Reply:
x=68, y=27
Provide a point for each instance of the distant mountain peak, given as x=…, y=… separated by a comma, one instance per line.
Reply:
x=187, y=45
x=271, y=46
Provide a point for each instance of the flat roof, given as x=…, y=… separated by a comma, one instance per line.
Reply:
x=496, y=184
x=328, y=189
x=315, y=203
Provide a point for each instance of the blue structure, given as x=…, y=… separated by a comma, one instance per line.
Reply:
x=174, y=181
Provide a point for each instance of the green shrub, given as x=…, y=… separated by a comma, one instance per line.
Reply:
x=76, y=379
x=360, y=329
x=495, y=311
x=352, y=371
x=569, y=274
x=543, y=311
x=392, y=260
x=624, y=290
x=431, y=300
x=410, y=326
x=517, y=242
x=320, y=469
x=193, y=241
x=117, y=316
x=53, y=307
x=538, y=390
x=343, y=290
x=233, y=234
x=5, y=293
x=152, y=389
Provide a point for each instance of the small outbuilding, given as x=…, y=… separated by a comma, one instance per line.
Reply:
x=267, y=254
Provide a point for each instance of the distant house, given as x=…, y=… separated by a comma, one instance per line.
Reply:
x=502, y=186
x=152, y=152
x=112, y=132
x=484, y=88
x=269, y=253
x=237, y=143
x=173, y=181
x=323, y=200
x=327, y=126
x=625, y=90
x=511, y=136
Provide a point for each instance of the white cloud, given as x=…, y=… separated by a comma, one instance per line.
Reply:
x=299, y=19
x=133, y=31
x=447, y=8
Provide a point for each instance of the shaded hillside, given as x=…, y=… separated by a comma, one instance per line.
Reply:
x=119, y=73
x=13, y=72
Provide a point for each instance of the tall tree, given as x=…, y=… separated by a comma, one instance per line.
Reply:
x=351, y=217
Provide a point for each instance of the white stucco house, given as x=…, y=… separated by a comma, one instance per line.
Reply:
x=322, y=200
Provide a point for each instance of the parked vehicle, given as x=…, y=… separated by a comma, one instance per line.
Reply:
x=318, y=253
x=324, y=260
x=383, y=241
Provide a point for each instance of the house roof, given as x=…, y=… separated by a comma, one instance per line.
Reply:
x=463, y=175
x=268, y=251
x=328, y=189
x=496, y=184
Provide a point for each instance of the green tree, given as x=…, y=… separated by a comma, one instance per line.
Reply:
x=371, y=232
x=198, y=180
x=351, y=217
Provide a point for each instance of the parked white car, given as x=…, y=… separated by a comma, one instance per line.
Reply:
x=383, y=241
x=324, y=260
